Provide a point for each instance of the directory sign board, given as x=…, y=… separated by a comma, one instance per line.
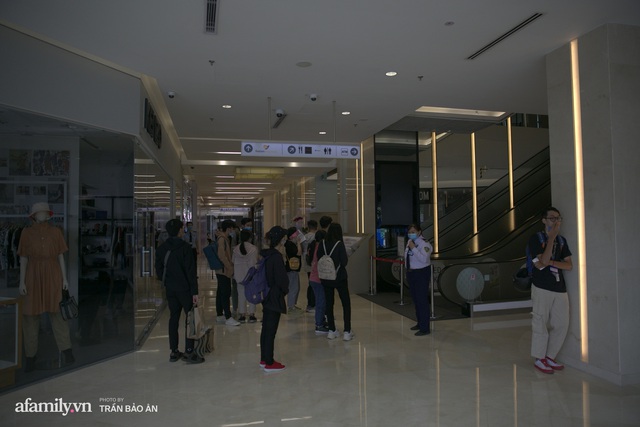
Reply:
x=298, y=151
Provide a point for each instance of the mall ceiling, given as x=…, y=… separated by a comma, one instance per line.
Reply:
x=266, y=56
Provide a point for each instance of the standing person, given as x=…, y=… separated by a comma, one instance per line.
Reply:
x=247, y=224
x=550, y=321
x=190, y=236
x=245, y=256
x=43, y=276
x=224, y=275
x=325, y=222
x=174, y=264
x=274, y=304
x=293, y=254
x=312, y=227
x=316, y=285
x=417, y=256
x=334, y=247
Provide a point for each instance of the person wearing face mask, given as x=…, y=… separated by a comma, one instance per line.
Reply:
x=550, y=314
x=274, y=303
x=43, y=276
x=417, y=260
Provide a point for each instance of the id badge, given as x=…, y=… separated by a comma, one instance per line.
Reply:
x=556, y=274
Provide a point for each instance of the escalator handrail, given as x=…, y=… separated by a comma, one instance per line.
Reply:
x=486, y=225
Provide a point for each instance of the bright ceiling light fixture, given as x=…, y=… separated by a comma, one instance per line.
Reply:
x=322, y=132
x=391, y=73
x=258, y=173
x=461, y=112
x=226, y=152
x=346, y=113
x=226, y=106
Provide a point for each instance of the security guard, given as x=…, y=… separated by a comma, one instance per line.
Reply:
x=417, y=259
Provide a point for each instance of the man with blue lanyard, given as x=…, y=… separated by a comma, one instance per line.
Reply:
x=417, y=259
x=550, y=321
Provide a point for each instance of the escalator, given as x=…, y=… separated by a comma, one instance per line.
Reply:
x=479, y=267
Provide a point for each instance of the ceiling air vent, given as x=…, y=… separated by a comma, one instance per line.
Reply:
x=211, y=17
x=518, y=27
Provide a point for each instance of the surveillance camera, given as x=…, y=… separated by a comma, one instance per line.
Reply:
x=313, y=97
x=171, y=94
x=279, y=112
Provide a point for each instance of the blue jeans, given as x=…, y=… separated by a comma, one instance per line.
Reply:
x=321, y=302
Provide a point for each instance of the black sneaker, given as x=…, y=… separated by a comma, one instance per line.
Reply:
x=175, y=356
x=193, y=358
x=242, y=319
x=252, y=318
x=320, y=330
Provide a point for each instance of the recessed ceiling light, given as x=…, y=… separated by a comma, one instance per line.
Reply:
x=449, y=23
x=304, y=64
x=322, y=132
x=346, y=113
x=226, y=152
x=227, y=106
x=391, y=73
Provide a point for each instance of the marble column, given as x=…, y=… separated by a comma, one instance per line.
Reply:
x=609, y=75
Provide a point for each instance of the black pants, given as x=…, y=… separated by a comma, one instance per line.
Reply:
x=311, y=297
x=178, y=302
x=419, y=287
x=343, y=292
x=223, y=294
x=270, y=321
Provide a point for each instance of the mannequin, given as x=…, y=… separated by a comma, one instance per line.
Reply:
x=43, y=275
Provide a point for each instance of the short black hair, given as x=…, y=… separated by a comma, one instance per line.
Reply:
x=312, y=224
x=290, y=231
x=325, y=221
x=243, y=221
x=550, y=208
x=275, y=235
x=173, y=227
x=226, y=224
x=334, y=232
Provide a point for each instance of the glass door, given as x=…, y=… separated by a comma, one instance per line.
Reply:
x=152, y=205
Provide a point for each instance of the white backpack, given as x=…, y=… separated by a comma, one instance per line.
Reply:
x=326, y=268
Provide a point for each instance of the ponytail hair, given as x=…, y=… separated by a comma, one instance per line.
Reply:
x=245, y=236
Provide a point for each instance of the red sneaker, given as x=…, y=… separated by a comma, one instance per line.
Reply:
x=553, y=364
x=263, y=363
x=274, y=367
x=542, y=366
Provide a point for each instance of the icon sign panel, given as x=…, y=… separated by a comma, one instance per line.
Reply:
x=285, y=149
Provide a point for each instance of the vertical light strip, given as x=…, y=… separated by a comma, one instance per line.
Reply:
x=303, y=191
x=362, y=210
x=434, y=189
x=474, y=184
x=357, y=198
x=580, y=222
x=510, y=150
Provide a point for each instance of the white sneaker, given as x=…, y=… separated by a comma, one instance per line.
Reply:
x=348, y=336
x=332, y=335
x=220, y=319
x=232, y=322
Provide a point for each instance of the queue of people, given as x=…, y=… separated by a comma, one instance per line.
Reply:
x=287, y=253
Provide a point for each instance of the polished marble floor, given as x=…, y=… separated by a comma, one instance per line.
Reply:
x=468, y=372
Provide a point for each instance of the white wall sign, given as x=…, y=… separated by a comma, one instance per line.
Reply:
x=299, y=151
